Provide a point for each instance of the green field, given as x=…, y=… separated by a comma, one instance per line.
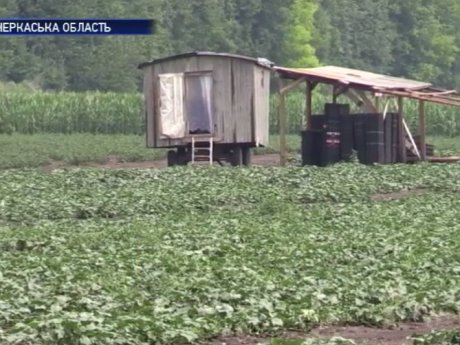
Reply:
x=184, y=254
x=35, y=112
x=19, y=150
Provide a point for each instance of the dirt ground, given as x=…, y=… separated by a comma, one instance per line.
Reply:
x=114, y=163
x=395, y=336
x=399, y=195
x=398, y=335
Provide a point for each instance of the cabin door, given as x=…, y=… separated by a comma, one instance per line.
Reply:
x=198, y=103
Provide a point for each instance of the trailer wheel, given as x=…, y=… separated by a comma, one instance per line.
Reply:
x=247, y=155
x=171, y=158
x=237, y=156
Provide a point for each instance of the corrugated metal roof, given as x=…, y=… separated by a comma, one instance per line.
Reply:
x=259, y=61
x=348, y=76
x=373, y=82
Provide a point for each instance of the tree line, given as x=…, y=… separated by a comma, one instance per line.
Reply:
x=410, y=38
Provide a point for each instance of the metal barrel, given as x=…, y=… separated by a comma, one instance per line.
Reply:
x=317, y=121
x=359, y=136
x=311, y=144
x=331, y=148
x=387, y=137
x=394, y=137
x=375, y=149
x=346, y=128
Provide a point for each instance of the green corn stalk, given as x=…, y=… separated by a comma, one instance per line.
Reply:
x=441, y=120
x=33, y=112
x=29, y=112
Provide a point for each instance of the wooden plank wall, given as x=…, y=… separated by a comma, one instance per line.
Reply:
x=261, y=105
x=149, y=107
x=242, y=92
x=240, y=101
x=220, y=98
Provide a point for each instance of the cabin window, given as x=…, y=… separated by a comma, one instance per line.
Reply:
x=198, y=102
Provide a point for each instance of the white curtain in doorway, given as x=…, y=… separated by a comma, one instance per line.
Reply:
x=172, y=121
x=206, y=87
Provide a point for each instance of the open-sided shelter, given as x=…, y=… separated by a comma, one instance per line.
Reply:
x=207, y=106
x=365, y=89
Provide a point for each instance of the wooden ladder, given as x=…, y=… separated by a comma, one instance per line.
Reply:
x=202, y=153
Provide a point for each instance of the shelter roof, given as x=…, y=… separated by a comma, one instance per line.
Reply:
x=368, y=81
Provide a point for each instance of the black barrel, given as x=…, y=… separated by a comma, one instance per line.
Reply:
x=337, y=108
x=359, y=130
x=331, y=148
x=317, y=121
x=330, y=151
x=341, y=113
x=394, y=137
x=387, y=137
x=311, y=147
x=346, y=129
x=375, y=149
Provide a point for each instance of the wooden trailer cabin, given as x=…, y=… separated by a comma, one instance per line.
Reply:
x=207, y=106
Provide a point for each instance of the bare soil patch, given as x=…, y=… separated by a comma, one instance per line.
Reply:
x=395, y=336
x=399, y=195
x=114, y=163
x=111, y=163
x=398, y=335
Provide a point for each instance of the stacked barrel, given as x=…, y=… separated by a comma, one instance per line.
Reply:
x=333, y=136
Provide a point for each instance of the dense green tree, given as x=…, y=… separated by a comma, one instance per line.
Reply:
x=357, y=34
x=261, y=26
x=275, y=29
x=413, y=38
x=299, y=34
x=198, y=25
x=428, y=40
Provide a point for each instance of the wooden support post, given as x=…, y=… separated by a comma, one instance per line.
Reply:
x=282, y=124
x=292, y=85
x=402, y=132
x=422, y=129
x=308, y=104
x=334, y=94
x=340, y=90
x=360, y=101
x=367, y=101
x=377, y=104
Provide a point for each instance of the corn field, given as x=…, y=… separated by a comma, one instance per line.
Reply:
x=69, y=112
x=440, y=120
x=30, y=112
